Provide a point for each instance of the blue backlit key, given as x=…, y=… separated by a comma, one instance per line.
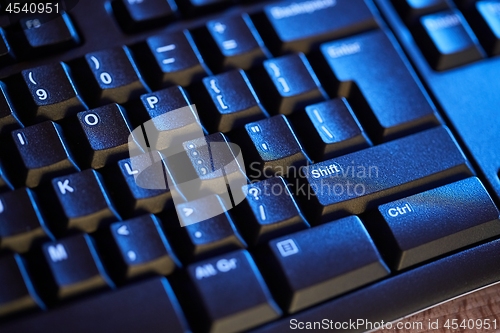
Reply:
x=75, y=266
x=175, y=59
x=142, y=247
x=219, y=282
x=296, y=26
x=290, y=84
x=237, y=43
x=447, y=41
x=9, y=119
x=229, y=101
x=84, y=201
x=352, y=183
x=114, y=76
x=278, y=152
x=21, y=223
x=269, y=211
x=340, y=253
x=330, y=129
x=416, y=229
x=488, y=24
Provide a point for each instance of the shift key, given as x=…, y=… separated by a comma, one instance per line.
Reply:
x=300, y=25
x=353, y=183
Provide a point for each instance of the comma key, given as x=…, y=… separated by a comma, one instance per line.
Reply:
x=352, y=183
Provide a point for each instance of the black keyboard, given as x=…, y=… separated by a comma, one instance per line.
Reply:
x=368, y=188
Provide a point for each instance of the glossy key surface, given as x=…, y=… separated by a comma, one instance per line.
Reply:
x=52, y=92
x=43, y=153
x=75, y=266
x=16, y=289
x=340, y=253
x=21, y=222
x=298, y=27
x=352, y=183
x=384, y=90
x=447, y=40
x=438, y=221
x=225, y=304
x=142, y=247
x=84, y=201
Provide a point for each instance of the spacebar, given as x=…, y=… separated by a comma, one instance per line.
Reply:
x=403, y=294
x=149, y=306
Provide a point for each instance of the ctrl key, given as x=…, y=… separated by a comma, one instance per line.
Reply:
x=232, y=293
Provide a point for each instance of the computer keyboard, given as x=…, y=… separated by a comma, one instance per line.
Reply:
x=369, y=133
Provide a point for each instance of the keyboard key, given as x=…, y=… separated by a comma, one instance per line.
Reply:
x=147, y=193
x=227, y=306
x=105, y=135
x=135, y=15
x=175, y=60
x=114, y=76
x=269, y=211
x=75, y=266
x=196, y=7
x=465, y=215
x=330, y=129
x=352, y=183
x=21, y=223
x=278, y=150
x=232, y=42
x=8, y=115
x=289, y=84
x=43, y=35
x=43, y=153
x=229, y=101
x=340, y=253
x=488, y=25
x=164, y=129
x=384, y=84
x=395, y=296
x=84, y=201
x=5, y=184
x=143, y=247
x=6, y=54
x=159, y=312
x=299, y=26
x=16, y=290
x=411, y=10
x=447, y=41
x=212, y=236
x=209, y=165
x=52, y=92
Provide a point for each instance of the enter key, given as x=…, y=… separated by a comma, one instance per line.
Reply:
x=432, y=223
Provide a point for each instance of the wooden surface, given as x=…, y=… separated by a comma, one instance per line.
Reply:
x=480, y=305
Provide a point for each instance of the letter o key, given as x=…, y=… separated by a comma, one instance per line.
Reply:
x=91, y=119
